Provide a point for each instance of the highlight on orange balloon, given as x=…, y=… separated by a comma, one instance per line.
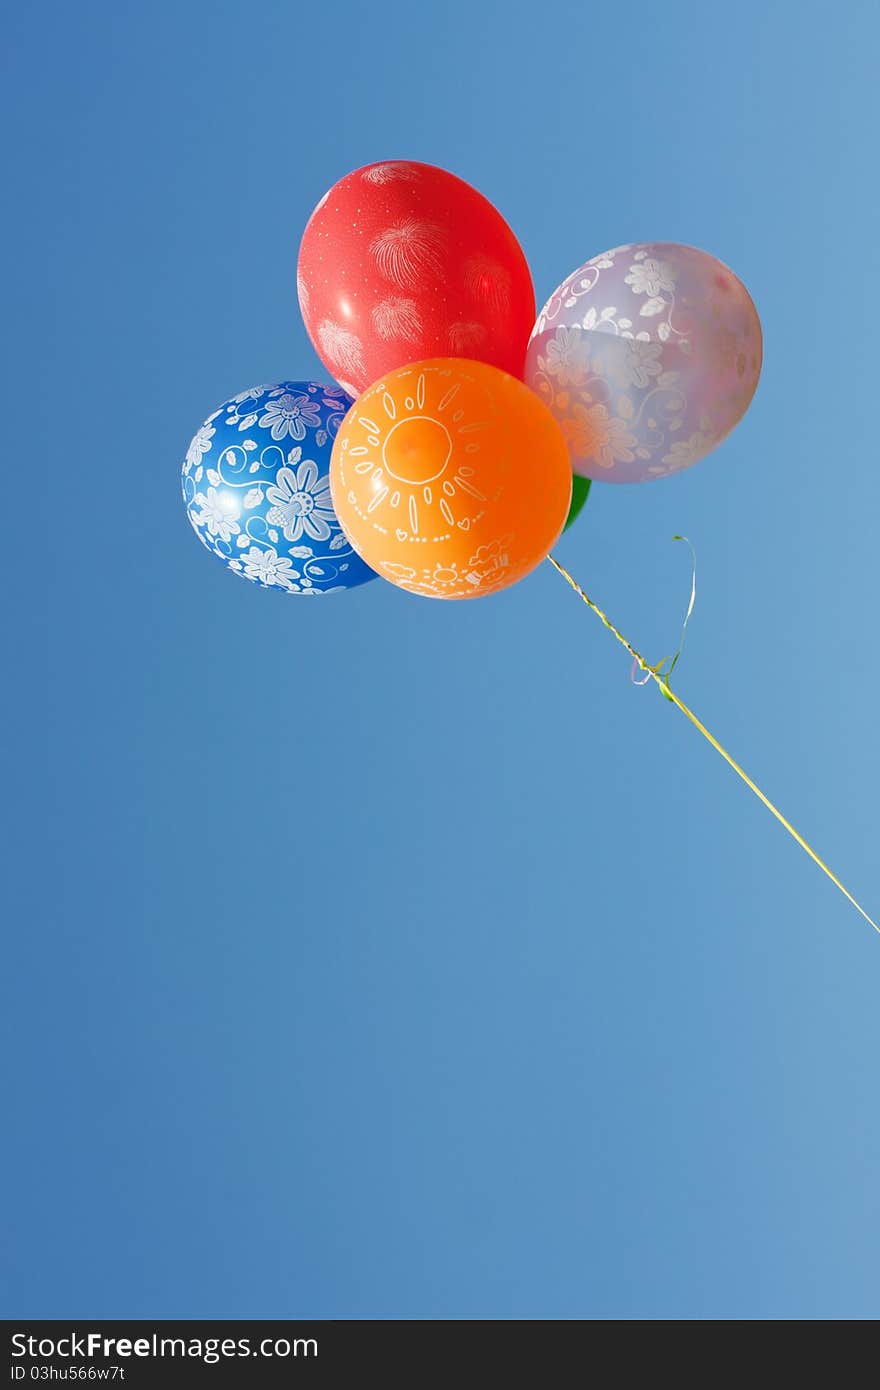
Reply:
x=451, y=478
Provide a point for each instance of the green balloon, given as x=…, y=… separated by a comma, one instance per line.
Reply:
x=580, y=491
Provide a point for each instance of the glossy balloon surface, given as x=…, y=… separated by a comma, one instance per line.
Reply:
x=403, y=261
x=257, y=493
x=451, y=478
x=647, y=356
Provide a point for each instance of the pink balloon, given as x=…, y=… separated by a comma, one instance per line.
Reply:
x=647, y=356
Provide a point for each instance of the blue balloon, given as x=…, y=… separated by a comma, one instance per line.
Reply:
x=257, y=489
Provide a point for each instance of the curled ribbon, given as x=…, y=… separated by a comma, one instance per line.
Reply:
x=658, y=669
x=661, y=679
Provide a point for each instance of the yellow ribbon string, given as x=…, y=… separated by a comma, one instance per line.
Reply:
x=653, y=673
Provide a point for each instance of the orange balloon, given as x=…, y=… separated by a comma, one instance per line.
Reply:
x=450, y=478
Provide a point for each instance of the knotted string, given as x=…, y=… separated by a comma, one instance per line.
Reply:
x=661, y=679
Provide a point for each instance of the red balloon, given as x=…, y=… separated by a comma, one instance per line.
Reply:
x=400, y=262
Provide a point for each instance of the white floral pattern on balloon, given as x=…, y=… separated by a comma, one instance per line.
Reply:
x=648, y=356
x=261, y=502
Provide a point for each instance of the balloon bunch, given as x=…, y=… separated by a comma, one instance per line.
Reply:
x=461, y=434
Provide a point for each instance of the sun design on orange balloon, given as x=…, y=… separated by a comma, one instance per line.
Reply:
x=449, y=477
x=413, y=469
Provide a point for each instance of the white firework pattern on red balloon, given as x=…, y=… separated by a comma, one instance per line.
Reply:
x=410, y=252
x=341, y=346
x=397, y=318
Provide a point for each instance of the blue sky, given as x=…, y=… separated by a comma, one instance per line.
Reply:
x=550, y=1019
